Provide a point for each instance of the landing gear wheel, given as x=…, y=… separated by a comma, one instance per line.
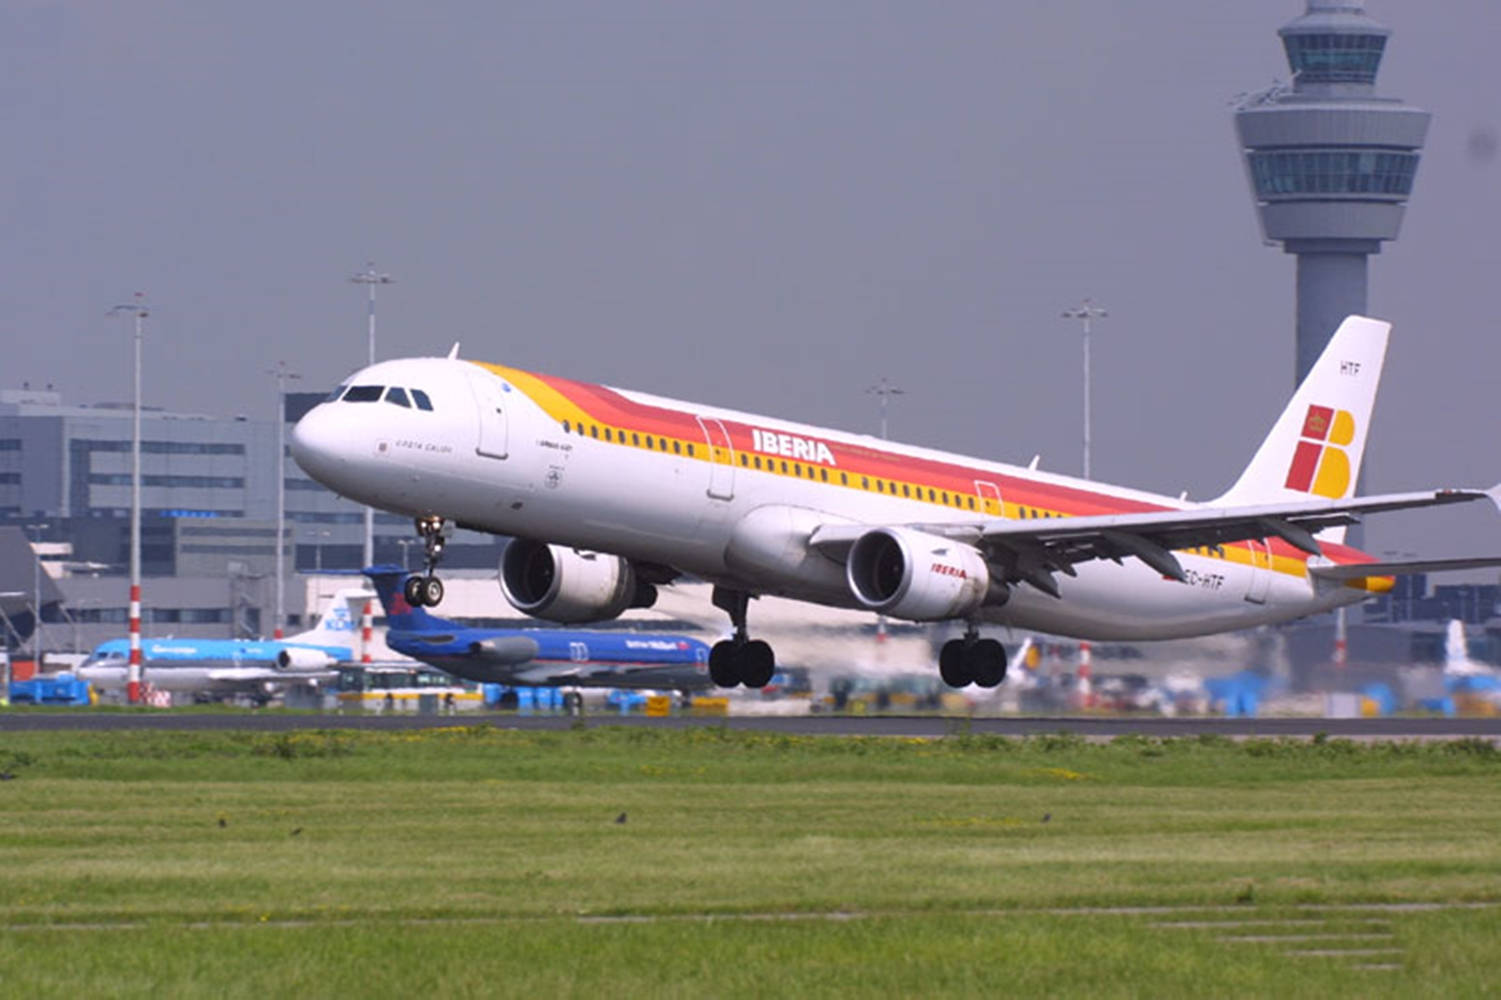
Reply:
x=951, y=664
x=986, y=660
x=427, y=590
x=723, y=664
x=757, y=663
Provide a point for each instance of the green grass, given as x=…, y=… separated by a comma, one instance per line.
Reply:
x=476, y=861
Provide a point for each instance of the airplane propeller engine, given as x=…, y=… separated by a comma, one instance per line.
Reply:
x=570, y=585
x=917, y=576
x=295, y=658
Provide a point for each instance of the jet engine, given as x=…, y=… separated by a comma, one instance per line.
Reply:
x=917, y=576
x=568, y=585
x=300, y=658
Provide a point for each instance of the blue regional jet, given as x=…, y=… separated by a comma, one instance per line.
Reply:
x=538, y=657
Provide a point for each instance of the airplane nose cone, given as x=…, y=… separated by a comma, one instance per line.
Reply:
x=316, y=445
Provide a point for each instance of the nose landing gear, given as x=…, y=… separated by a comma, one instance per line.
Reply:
x=426, y=591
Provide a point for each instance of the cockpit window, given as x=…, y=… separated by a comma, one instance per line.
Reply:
x=364, y=394
x=420, y=398
x=396, y=394
x=336, y=393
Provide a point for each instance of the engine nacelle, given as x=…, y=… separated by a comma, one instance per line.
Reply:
x=569, y=586
x=301, y=658
x=917, y=576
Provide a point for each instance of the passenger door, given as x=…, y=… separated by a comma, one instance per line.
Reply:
x=490, y=399
x=721, y=459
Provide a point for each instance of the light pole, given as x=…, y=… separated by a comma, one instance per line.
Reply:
x=139, y=312
x=282, y=374
x=36, y=592
x=370, y=277
x=1086, y=311
x=884, y=389
x=319, y=534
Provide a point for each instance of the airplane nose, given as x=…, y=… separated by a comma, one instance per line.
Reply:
x=317, y=444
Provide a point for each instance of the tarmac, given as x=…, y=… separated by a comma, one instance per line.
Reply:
x=909, y=726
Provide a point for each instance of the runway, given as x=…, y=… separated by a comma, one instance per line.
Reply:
x=1092, y=727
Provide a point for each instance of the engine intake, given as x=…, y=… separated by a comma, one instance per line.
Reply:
x=568, y=585
x=917, y=576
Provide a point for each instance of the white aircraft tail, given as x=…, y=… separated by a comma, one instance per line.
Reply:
x=1315, y=447
x=340, y=624
x=1457, y=662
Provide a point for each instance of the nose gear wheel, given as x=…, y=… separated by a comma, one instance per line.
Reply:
x=427, y=590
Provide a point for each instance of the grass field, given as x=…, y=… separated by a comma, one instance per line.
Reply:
x=477, y=861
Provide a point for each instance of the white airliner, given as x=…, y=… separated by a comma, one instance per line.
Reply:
x=608, y=493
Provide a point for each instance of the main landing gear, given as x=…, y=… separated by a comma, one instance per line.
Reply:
x=972, y=660
x=426, y=591
x=740, y=660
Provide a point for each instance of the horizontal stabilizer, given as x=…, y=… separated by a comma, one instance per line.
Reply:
x=1356, y=571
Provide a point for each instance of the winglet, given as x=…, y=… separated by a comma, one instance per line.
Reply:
x=453, y=352
x=1495, y=494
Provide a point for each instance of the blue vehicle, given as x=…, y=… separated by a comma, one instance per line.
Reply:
x=538, y=657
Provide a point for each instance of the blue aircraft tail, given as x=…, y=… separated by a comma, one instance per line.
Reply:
x=388, y=581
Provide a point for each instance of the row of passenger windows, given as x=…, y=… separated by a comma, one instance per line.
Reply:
x=798, y=469
x=395, y=395
x=636, y=438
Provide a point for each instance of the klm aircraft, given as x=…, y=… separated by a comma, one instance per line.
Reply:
x=215, y=668
x=538, y=657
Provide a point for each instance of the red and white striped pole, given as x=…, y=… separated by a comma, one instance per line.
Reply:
x=367, y=621
x=133, y=671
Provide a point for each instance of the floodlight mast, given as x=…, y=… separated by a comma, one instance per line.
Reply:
x=282, y=374
x=885, y=390
x=1086, y=311
x=370, y=277
x=138, y=311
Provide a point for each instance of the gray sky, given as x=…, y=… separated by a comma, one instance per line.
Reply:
x=763, y=205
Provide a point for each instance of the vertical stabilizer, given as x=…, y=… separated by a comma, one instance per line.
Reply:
x=340, y=623
x=1315, y=447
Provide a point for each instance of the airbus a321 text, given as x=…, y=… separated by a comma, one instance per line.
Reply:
x=609, y=493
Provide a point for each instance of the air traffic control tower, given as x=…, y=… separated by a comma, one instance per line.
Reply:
x=1331, y=164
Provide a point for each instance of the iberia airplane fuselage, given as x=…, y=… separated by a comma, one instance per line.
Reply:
x=757, y=505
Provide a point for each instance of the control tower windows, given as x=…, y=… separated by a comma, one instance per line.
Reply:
x=1310, y=172
x=1335, y=57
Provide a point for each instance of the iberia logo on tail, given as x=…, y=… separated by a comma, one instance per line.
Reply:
x=1320, y=463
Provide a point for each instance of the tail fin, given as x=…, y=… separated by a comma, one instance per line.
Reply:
x=1315, y=447
x=389, y=581
x=1457, y=650
x=340, y=623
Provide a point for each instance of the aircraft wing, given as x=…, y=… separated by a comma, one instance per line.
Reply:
x=1032, y=550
